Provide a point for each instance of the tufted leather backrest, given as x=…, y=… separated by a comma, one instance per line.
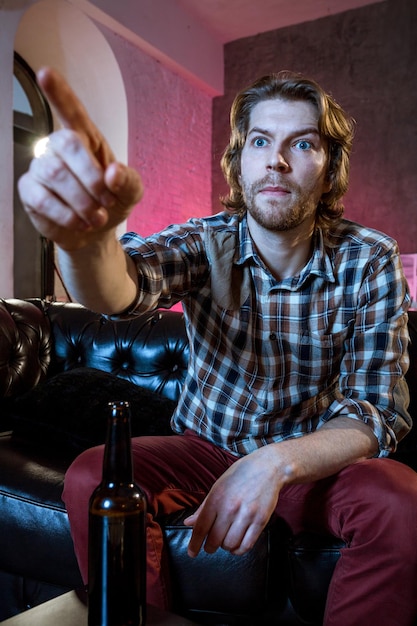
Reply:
x=25, y=347
x=412, y=371
x=407, y=448
x=39, y=339
x=150, y=350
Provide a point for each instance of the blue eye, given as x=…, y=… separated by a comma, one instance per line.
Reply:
x=303, y=144
x=259, y=142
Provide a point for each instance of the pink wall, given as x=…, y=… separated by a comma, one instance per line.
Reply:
x=169, y=139
x=367, y=59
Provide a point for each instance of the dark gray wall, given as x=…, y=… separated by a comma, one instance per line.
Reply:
x=367, y=59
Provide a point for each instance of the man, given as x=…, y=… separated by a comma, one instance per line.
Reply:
x=297, y=321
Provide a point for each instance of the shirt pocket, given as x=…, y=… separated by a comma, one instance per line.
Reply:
x=317, y=357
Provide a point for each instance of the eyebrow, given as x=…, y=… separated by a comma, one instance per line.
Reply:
x=308, y=130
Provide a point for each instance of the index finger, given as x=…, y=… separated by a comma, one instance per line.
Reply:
x=203, y=522
x=72, y=113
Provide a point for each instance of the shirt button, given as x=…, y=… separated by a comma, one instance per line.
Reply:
x=272, y=336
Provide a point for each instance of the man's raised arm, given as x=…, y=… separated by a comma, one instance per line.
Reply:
x=76, y=195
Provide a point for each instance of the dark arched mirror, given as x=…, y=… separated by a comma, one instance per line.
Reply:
x=32, y=120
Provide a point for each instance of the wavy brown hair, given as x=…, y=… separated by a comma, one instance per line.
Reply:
x=334, y=125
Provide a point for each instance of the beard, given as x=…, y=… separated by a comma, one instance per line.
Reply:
x=281, y=214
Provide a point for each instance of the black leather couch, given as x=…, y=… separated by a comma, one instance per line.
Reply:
x=281, y=578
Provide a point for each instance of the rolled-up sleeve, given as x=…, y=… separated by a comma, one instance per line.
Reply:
x=372, y=383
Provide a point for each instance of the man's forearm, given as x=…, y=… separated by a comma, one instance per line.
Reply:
x=101, y=276
x=227, y=510
x=336, y=445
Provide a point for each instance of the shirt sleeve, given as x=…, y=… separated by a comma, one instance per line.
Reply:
x=170, y=265
x=372, y=384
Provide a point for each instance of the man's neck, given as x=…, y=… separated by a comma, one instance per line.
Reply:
x=285, y=253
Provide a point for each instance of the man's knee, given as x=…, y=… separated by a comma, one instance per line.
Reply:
x=385, y=494
x=83, y=476
x=383, y=479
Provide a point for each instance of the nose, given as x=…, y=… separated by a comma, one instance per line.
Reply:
x=277, y=161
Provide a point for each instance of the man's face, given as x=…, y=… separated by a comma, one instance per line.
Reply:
x=283, y=164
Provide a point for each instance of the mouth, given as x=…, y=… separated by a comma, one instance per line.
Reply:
x=275, y=190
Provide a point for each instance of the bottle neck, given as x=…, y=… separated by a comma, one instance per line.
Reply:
x=117, y=462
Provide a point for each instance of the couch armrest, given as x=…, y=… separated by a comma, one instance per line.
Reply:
x=25, y=346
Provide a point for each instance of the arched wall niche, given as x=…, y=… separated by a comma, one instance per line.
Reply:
x=55, y=33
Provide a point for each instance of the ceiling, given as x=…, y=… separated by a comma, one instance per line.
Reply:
x=228, y=20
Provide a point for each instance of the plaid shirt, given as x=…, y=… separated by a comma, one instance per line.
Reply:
x=274, y=359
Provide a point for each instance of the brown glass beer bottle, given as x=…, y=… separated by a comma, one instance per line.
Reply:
x=117, y=542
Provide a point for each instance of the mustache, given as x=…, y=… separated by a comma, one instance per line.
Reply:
x=271, y=181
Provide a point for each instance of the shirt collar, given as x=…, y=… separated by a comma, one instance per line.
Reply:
x=320, y=263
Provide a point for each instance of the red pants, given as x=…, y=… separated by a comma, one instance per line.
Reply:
x=371, y=505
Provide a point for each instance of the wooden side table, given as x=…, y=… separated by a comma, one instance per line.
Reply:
x=69, y=610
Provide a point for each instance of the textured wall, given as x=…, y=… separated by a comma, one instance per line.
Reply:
x=367, y=58
x=169, y=140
